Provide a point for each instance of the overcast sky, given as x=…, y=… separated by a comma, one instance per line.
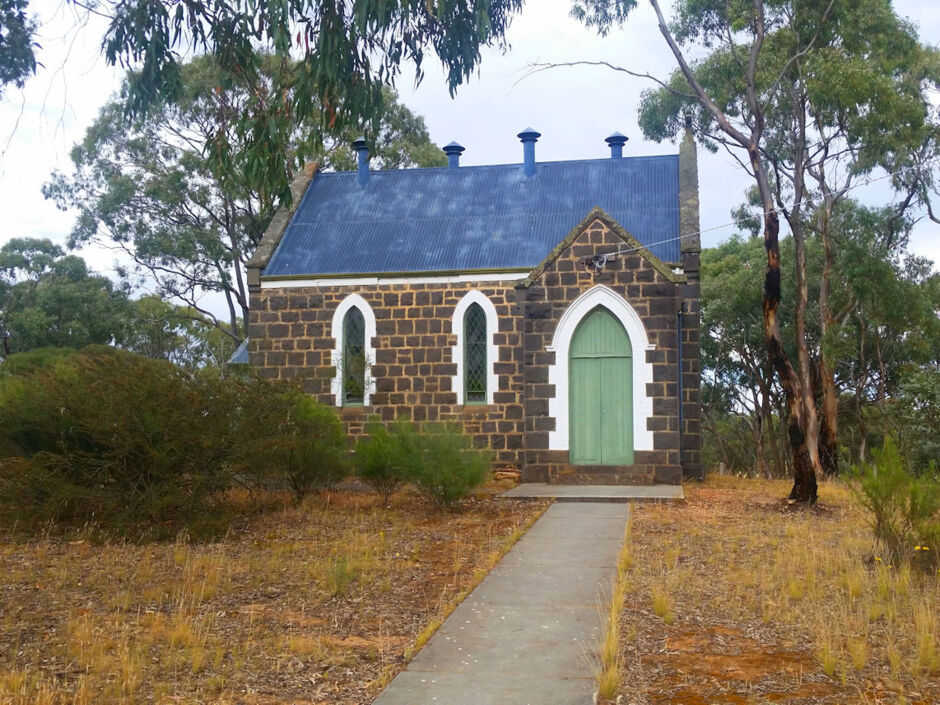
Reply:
x=573, y=108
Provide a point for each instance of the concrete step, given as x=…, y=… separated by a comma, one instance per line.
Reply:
x=615, y=475
x=597, y=493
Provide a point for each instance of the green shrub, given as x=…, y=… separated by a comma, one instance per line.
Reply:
x=26, y=363
x=439, y=458
x=379, y=459
x=108, y=436
x=905, y=508
x=445, y=466
x=288, y=439
x=117, y=439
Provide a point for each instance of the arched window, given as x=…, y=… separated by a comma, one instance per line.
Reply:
x=353, y=330
x=475, y=324
x=354, y=358
x=474, y=354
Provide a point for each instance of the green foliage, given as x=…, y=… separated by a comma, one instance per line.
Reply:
x=189, y=222
x=288, y=439
x=127, y=442
x=180, y=334
x=444, y=464
x=917, y=416
x=340, y=576
x=111, y=437
x=439, y=458
x=17, y=56
x=50, y=299
x=905, y=508
x=379, y=457
x=885, y=346
x=33, y=361
x=349, y=52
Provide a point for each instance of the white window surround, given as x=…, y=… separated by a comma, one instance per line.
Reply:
x=351, y=301
x=642, y=370
x=492, y=352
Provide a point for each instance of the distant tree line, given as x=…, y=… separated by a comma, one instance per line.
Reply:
x=884, y=347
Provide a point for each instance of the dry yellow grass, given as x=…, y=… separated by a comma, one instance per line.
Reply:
x=737, y=597
x=608, y=671
x=315, y=603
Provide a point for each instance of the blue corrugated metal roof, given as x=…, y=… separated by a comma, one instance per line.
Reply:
x=240, y=356
x=478, y=217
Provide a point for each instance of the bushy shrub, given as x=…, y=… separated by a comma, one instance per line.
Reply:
x=439, y=458
x=105, y=434
x=379, y=459
x=287, y=438
x=446, y=467
x=26, y=363
x=905, y=508
x=122, y=440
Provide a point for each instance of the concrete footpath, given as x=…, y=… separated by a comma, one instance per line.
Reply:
x=529, y=633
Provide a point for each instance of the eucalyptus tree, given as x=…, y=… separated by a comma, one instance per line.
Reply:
x=162, y=331
x=337, y=57
x=887, y=348
x=17, y=43
x=186, y=221
x=734, y=361
x=806, y=96
x=51, y=299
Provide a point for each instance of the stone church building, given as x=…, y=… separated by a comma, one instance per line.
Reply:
x=550, y=308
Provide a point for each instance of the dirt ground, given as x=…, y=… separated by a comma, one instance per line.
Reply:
x=313, y=604
x=737, y=597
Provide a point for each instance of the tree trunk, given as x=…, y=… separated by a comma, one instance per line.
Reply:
x=806, y=458
x=829, y=423
x=808, y=424
x=860, y=382
x=757, y=430
x=778, y=468
x=804, y=468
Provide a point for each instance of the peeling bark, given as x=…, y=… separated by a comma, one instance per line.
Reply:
x=804, y=473
x=829, y=420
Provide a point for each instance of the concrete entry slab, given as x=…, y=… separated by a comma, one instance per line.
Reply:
x=529, y=633
x=596, y=493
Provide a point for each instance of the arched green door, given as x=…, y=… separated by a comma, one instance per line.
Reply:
x=600, y=392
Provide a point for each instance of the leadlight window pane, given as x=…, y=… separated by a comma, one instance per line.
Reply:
x=354, y=357
x=474, y=331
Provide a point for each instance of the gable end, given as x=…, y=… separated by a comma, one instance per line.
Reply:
x=598, y=213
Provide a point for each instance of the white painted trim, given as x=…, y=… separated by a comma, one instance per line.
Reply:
x=379, y=281
x=492, y=351
x=600, y=295
x=336, y=387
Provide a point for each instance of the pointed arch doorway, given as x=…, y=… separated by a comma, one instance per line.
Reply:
x=600, y=392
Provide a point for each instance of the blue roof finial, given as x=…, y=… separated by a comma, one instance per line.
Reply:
x=362, y=152
x=529, y=137
x=616, y=142
x=453, y=152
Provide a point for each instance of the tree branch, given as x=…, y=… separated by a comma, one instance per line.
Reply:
x=535, y=68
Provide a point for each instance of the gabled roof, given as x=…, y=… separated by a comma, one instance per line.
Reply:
x=473, y=218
